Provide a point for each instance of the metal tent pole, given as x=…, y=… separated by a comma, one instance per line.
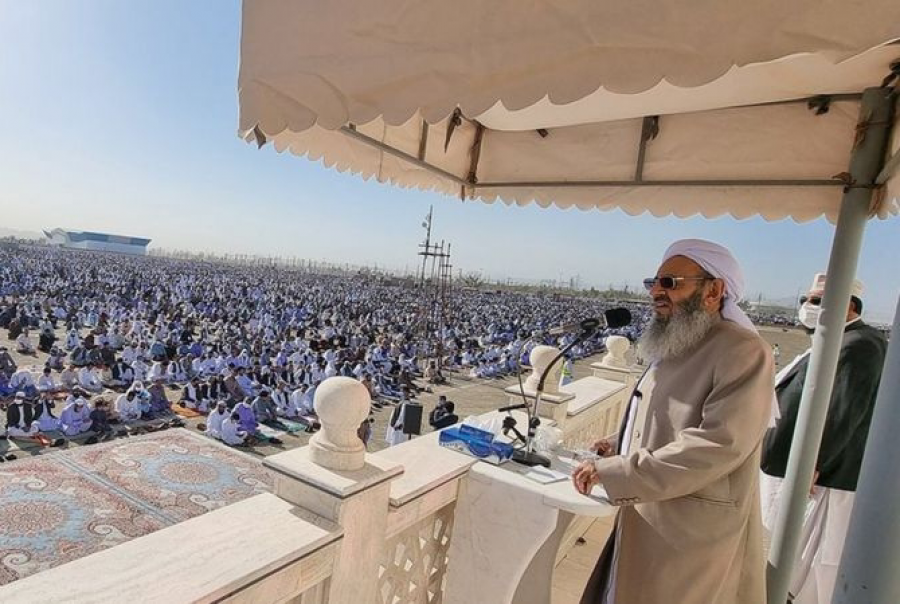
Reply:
x=868, y=572
x=875, y=115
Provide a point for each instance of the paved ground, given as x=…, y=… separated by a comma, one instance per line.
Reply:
x=472, y=396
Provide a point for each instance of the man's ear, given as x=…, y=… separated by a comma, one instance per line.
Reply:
x=715, y=292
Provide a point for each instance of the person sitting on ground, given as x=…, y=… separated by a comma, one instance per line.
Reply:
x=76, y=417
x=159, y=402
x=244, y=410
x=100, y=420
x=281, y=398
x=57, y=359
x=5, y=389
x=266, y=412
x=46, y=383
x=159, y=371
x=24, y=381
x=232, y=386
x=46, y=339
x=140, y=369
x=73, y=340
x=300, y=404
x=44, y=413
x=128, y=406
x=214, y=420
x=205, y=401
x=7, y=364
x=232, y=433
x=143, y=398
x=24, y=345
x=68, y=378
x=190, y=397
x=247, y=385
x=22, y=424
x=445, y=418
x=89, y=380
x=123, y=374
x=157, y=350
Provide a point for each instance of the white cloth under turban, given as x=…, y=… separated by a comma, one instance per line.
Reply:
x=718, y=262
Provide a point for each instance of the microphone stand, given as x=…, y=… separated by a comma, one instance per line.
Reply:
x=527, y=455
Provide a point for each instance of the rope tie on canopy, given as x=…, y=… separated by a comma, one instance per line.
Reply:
x=892, y=76
x=455, y=121
x=819, y=104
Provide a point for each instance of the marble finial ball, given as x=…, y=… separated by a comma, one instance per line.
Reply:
x=542, y=355
x=342, y=401
x=618, y=345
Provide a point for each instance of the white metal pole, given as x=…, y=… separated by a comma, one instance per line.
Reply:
x=875, y=117
x=869, y=567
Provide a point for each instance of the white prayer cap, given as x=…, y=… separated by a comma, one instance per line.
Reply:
x=718, y=262
x=818, y=285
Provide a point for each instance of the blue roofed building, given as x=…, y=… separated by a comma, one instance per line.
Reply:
x=98, y=242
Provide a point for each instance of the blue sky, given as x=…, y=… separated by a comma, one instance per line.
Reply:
x=122, y=117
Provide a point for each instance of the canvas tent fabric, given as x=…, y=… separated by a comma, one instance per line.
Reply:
x=550, y=103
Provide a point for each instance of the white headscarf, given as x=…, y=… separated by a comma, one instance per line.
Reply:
x=718, y=262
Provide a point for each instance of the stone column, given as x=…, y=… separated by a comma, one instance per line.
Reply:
x=336, y=479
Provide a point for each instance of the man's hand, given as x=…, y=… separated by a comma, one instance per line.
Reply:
x=812, y=487
x=603, y=448
x=585, y=477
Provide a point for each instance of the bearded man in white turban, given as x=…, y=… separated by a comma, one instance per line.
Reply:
x=684, y=465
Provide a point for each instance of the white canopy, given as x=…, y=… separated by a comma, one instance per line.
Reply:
x=660, y=106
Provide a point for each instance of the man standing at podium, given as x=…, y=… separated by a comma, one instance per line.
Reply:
x=684, y=466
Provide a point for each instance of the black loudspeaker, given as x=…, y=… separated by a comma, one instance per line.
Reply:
x=412, y=419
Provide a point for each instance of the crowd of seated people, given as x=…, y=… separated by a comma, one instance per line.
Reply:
x=245, y=346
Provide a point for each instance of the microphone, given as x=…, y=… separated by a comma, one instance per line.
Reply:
x=512, y=407
x=612, y=318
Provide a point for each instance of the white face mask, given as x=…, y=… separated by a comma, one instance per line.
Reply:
x=809, y=315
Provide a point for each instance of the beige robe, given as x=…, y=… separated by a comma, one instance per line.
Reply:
x=690, y=529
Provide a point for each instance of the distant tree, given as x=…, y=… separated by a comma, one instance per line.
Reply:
x=473, y=280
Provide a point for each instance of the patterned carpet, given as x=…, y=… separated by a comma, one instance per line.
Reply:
x=63, y=506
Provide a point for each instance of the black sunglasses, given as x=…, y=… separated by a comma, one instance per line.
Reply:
x=670, y=282
x=813, y=300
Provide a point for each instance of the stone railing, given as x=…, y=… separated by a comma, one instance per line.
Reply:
x=342, y=526
x=261, y=549
x=586, y=409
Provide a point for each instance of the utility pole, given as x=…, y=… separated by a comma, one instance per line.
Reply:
x=435, y=285
x=427, y=245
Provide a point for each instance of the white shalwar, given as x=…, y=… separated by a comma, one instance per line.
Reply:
x=824, y=530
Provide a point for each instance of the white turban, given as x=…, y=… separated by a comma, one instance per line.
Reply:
x=718, y=262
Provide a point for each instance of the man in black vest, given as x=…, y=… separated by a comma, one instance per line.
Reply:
x=22, y=423
x=843, y=442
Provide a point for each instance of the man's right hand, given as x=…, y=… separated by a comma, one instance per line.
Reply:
x=603, y=448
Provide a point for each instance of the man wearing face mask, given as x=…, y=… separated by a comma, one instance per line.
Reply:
x=843, y=443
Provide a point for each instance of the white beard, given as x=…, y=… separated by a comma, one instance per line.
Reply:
x=665, y=339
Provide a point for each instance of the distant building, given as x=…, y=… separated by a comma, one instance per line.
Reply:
x=98, y=242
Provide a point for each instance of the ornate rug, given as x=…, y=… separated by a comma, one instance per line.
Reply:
x=58, y=507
